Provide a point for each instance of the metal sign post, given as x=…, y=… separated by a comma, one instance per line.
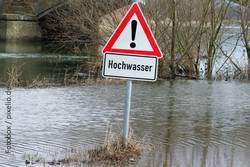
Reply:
x=131, y=53
x=126, y=113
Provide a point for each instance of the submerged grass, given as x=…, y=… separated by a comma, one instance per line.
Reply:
x=14, y=73
x=69, y=78
x=112, y=152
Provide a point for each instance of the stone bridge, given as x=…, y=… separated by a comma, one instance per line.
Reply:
x=19, y=18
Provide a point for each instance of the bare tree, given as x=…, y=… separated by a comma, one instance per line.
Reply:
x=76, y=24
x=184, y=29
x=173, y=38
x=245, y=27
x=158, y=16
x=190, y=37
x=180, y=28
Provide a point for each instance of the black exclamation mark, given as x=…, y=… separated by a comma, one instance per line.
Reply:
x=133, y=27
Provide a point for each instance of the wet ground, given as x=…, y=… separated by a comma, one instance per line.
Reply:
x=191, y=123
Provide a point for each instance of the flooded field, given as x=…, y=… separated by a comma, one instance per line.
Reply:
x=190, y=123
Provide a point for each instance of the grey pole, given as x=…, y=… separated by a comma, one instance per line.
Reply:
x=127, y=109
x=127, y=112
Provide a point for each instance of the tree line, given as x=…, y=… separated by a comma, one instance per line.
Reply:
x=186, y=30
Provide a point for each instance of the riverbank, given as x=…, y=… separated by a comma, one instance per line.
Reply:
x=76, y=82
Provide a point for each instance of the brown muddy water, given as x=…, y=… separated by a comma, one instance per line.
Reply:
x=191, y=123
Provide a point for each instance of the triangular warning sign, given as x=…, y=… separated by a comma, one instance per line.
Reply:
x=133, y=36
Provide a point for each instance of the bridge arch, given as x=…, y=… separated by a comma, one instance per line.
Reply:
x=19, y=18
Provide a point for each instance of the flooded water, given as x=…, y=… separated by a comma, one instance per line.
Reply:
x=38, y=66
x=32, y=62
x=190, y=123
x=231, y=45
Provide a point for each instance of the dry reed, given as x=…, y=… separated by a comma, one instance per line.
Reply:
x=113, y=151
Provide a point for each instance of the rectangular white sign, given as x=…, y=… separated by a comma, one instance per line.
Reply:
x=131, y=67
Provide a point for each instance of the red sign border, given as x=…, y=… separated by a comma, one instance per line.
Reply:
x=135, y=9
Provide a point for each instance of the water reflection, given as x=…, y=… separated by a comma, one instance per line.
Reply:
x=35, y=61
x=39, y=66
x=209, y=134
x=20, y=47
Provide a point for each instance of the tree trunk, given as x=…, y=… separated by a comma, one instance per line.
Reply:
x=209, y=70
x=197, y=71
x=248, y=56
x=172, y=51
x=196, y=65
x=212, y=40
x=210, y=63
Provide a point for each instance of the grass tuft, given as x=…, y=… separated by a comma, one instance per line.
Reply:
x=113, y=151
